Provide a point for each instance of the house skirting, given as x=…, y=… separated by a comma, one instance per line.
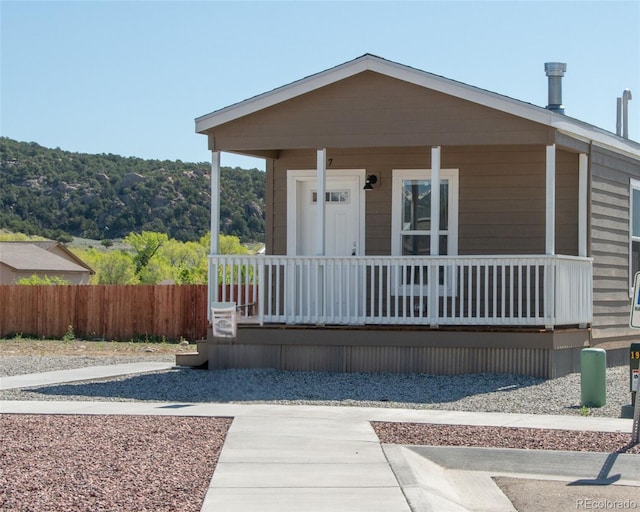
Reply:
x=545, y=354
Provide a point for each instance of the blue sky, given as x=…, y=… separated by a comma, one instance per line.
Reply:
x=130, y=77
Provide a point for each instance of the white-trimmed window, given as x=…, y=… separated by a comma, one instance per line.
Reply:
x=634, y=231
x=411, y=229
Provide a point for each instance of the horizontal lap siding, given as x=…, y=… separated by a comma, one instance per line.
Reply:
x=610, y=244
x=501, y=202
x=371, y=110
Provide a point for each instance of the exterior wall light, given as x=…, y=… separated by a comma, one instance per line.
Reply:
x=372, y=179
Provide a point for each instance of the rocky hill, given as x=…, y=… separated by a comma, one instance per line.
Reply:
x=58, y=193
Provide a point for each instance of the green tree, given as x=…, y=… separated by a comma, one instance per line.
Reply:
x=227, y=244
x=35, y=279
x=156, y=271
x=188, y=261
x=145, y=245
x=115, y=267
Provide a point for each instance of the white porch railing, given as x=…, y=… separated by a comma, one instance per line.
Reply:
x=471, y=290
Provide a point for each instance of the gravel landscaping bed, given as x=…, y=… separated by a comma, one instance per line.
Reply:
x=147, y=463
x=115, y=463
x=479, y=392
x=503, y=437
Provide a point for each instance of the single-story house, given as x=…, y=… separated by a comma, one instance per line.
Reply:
x=524, y=256
x=50, y=259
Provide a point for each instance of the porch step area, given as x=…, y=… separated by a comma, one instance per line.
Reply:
x=194, y=359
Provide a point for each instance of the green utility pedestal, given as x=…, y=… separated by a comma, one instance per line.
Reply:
x=593, y=377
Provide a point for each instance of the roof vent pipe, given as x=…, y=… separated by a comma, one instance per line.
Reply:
x=555, y=71
x=622, y=114
x=618, y=116
x=626, y=96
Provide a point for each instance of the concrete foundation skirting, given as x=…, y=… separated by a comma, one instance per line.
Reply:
x=544, y=354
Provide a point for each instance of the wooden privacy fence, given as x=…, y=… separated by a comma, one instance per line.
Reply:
x=111, y=312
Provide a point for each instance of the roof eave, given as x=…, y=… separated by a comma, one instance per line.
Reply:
x=592, y=134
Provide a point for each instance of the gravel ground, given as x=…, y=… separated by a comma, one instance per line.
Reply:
x=115, y=463
x=503, y=437
x=146, y=463
x=479, y=392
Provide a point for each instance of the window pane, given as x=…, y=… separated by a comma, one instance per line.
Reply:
x=420, y=245
x=337, y=196
x=444, y=205
x=635, y=224
x=635, y=259
x=416, y=205
x=444, y=249
x=416, y=245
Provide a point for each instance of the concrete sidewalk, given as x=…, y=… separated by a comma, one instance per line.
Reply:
x=316, y=458
x=80, y=374
x=271, y=463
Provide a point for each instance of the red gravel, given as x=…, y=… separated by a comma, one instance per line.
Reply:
x=115, y=463
x=503, y=437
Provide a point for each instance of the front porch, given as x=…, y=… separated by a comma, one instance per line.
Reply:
x=502, y=314
x=500, y=291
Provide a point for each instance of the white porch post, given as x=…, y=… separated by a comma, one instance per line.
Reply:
x=322, y=187
x=582, y=204
x=434, y=281
x=550, y=236
x=550, y=220
x=214, y=244
x=215, y=203
x=435, y=201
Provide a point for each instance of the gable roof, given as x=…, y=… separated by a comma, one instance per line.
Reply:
x=51, y=245
x=32, y=257
x=368, y=62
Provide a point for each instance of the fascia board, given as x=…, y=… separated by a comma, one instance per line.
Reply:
x=590, y=134
x=76, y=259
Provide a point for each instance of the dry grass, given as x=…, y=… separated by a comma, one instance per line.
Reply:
x=27, y=347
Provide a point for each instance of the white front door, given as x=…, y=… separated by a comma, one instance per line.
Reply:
x=325, y=289
x=342, y=235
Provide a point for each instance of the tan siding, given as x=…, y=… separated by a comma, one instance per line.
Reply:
x=501, y=202
x=269, y=206
x=371, y=110
x=610, y=244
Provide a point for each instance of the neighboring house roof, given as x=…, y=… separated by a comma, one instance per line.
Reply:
x=32, y=257
x=53, y=246
x=368, y=62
